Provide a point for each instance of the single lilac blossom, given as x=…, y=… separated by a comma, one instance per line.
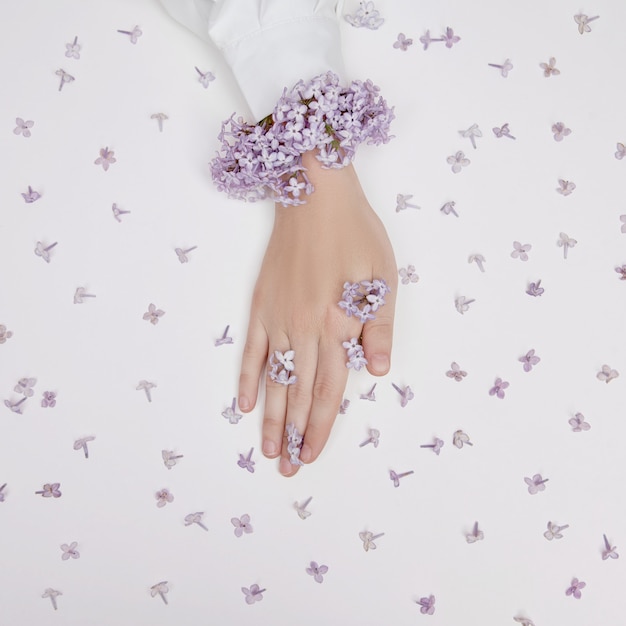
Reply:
x=253, y=594
x=367, y=538
x=456, y=372
x=427, y=605
x=622, y=219
x=505, y=68
x=49, y=399
x=370, y=395
x=502, y=131
x=170, y=458
x=426, y=39
x=65, y=77
x=117, y=212
x=565, y=242
x=408, y=275
x=5, y=334
x=230, y=414
x=458, y=161
x=554, y=531
x=25, y=386
x=536, y=484
x=182, y=253
x=402, y=203
x=224, y=339
x=405, y=394
x=16, y=407
x=534, y=289
x=479, y=259
x=153, y=314
x=106, y=158
x=160, y=118
x=583, y=22
x=621, y=271
x=44, y=251
x=246, y=462
x=448, y=208
x=609, y=552
x=195, y=518
x=146, y=386
x=574, y=588
x=134, y=34
x=565, y=187
x=524, y=621
x=529, y=360
x=31, y=195
x=560, y=131
x=160, y=589
x=52, y=594
x=70, y=551
x=366, y=16
x=72, y=50
x=50, y=490
x=2, y=496
x=471, y=133
x=163, y=497
x=520, y=251
x=549, y=69
x=578, y=423
x=450, y=38
x=620, y=153
x=242, y=525
x=475, y=535
x=81, y=293
x=460, y=439
x=23, y=127
x=301, y=508
x=498, y=388
x=462, y=304
x=205, y=78
x=294, y=444
x=403, y=42
x=436, y=447
x=81, y=444
x=343, y=407
x=374, y=436
x=606, y=374
x=317, y=571
x=396, y=477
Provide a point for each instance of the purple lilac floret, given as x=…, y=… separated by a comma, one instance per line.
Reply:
x=364, y=298
x=265, y=160
x=294, y=443
x=281, y=367
x=354, y=352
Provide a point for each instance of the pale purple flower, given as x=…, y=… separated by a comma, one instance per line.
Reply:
x=160, y=589
x=554, y=531
x=565, y=187
x=50, y=490
x=224, y=339
x=462, y=304
x=367, y=538
x=134, y=34
x=606, y=374
x=31, y=195
x=117, y=212
x=408, y=275
x=106, y=158
x=366, y=16
x=23, y=127
x=426, y=39
x=163, y=497
x=153, y=314
x=281, y=364
x=182, y=254
x=70, y=551
x=49, y=399
x=475, y=535
x=170, y=458
x=458, y=161
x=364, y=315
x=436, y=447
x=622, y=219
x=246, y=462
x=230, y=414
x=16, y=407
x=534, y=289
x=354, y=352
x=427, y=605
x=560, y=131
x=403, y=42
x=242, y=525
x=81, y=293
x=81, y=444
x=52, y=594
x=44, y=251
x=396, y=477
x=370, y=395
x=536, y=484
x=578, y=423
x=502, y=131
x=583, y=22
x=479, y=259
x=621, y=152
x=5, y=334
x=471, y=133
x=529, y=360
x=505, y=68
x=160, y=118
x=65, y=77
x=205, y=78
x=72, y=50
x=575, y=587
x=253, y=594
x=609, y=552
x=294, y=444
x=25, y=386
x=549, y=69
x=285, y=359
x=520, y=251
x=448, y=208
x=343, y=407
x=524, y=621
x=146, y=385
x=459, y=439
x=565, y=242
x=2, y=496
x=621, y=271
x=405, y=394
x=317, y=571
x=498, y=388
x=301, y=508
x=450, y=38
x=402, y=203
x=195, y=518
x=374, y=436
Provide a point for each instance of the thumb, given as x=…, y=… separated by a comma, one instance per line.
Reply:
x=377, y=340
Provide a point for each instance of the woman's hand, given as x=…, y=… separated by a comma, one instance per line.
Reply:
x=314, y=248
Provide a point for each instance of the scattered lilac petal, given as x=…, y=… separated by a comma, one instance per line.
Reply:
x=134, y=35
x=370, y=395
x=405, y=394
x=153, y=314
x=402, y=203
x=44, y=251
x=294, y=444
x=230, y=414
x=163, y=497
x=396, y=477
x=49, y=399
x=578, y=423
x=5, y=334
x=426, y=39
x=524, y=621
x=574, y=588
x=366, y=16
x=25, y=386
x=560, y=131
x=450, y=38
x=436, y=447
x=606, y=374
x=195, y=518
x=160, y=589
x=70, y=551
x=456, y=372
x=117, y=212
x=374, y=436
x=622, y=219
x=81, y=444
x=621, y=271
x=408, y=275
x=65, y=77
x=343, y=407
x=448, y=208
x=498, y=388
x=301, y=508
x=160, y=118
x=16, y=407
x=475, y=535
x=146, y=385
x=80, y=293
x=52, y=594
x=462, y=304
x=224, y=339
x=106, y=158
x=253, y=594
x=427, y=605
x=534, y=289
x=246, y=462
x=31, y=195
x=505, y=68
x=2, y=495
x=182, y=254
x=549, y=68
x=170, y=458
x=205, y=78
x=317, y=571
x=242, y=525
x=367, y=538
x=458, y=161
x=72, y=50
x=583, y=22
x=479, y=259
x=23, y=127
x=520, y=251
x=529, y=360
x=471, y=133
x=536, y=484
x=620, y=153
x=50, y=490
x=609, y=552
x=403, y=43
x=460, y=438
x=554, y=531
x=502, y=131
x=565, y=242
x=565, y=187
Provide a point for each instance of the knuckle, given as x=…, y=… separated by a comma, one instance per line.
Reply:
x=326, y=391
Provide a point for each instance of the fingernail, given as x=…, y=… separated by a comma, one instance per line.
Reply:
x=380, y=362
x=305, y=453
x=244, y=403
x=285, y=467
x=269, y=447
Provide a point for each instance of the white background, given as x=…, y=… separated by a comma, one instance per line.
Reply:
x=93, y=355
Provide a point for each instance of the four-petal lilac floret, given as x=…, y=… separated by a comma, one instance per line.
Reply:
x=242, y=525
x=253, y=594
x=427, y=605
x=575, y=587
x=529, y=360
x=317, y=571
x=294, y=444
x=498, y=388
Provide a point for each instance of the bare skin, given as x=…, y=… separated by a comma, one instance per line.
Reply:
x=335, y=237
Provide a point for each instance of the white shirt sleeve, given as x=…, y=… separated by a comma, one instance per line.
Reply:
x=268, y=44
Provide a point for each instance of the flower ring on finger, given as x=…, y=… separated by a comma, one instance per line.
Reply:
x=281, y=367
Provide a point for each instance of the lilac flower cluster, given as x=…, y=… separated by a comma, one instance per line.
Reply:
x=294, y=443
x=265, y=160
x=354, y=352
x=281, y=366
x=360, y=299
